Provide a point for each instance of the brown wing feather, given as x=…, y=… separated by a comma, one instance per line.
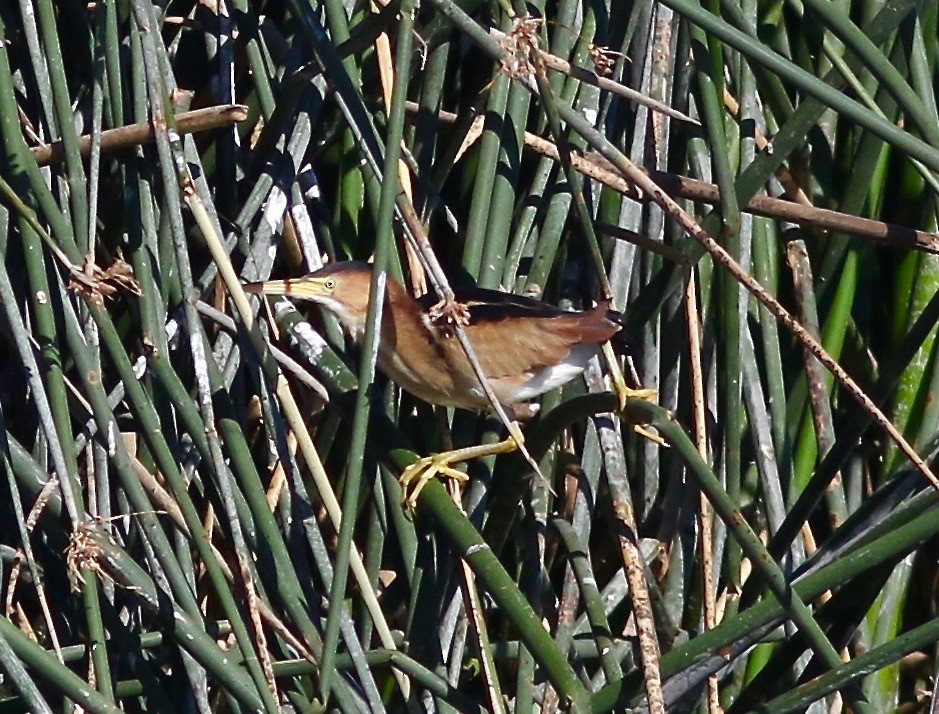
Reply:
x=531, y=343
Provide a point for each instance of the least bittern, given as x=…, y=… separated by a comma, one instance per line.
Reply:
x=525, y=348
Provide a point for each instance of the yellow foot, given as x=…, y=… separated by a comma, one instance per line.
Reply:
x=648, y=395
x=417, y=475
x=624, y=393
x=650, y=435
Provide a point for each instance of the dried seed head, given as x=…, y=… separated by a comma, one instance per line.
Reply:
x=603, y=59
x=446, y=315
x=83, y=552
x=99, y=285
x=522, y=44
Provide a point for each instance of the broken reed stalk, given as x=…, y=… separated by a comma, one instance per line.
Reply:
x=142, y=133
x=678, y=186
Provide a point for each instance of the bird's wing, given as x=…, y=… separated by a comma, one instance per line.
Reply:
x=522, y=336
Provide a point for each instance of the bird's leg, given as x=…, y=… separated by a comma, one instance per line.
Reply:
x=624, y=393
x=621, y=389
x=415, y=477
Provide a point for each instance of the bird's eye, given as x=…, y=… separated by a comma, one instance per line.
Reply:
x=329, y=284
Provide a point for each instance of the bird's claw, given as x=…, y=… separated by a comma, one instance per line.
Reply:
x=624, y=394
x=623, y=391
x=423, y=470
x=641, y=430
x=417, y=475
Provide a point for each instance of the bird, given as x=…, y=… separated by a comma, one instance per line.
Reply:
x=524, y=347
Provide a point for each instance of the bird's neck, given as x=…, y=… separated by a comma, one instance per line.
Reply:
x=397, y=301
x=407, y=311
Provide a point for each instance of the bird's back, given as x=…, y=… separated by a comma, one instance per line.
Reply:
x=525, y=347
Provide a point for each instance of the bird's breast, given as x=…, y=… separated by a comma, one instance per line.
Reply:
x=427, y=378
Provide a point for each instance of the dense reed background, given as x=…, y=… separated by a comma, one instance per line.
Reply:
x=177, y=460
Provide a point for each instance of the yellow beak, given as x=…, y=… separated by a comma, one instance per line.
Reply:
x=301, y=288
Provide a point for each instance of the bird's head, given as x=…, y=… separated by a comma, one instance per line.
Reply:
x=342, y=288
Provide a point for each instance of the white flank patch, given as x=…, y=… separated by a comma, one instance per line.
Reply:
x=560, y=374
